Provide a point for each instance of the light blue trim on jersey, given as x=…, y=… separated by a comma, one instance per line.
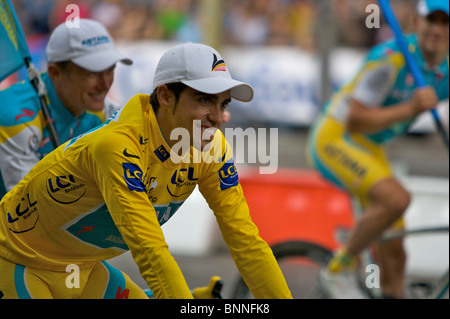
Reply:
x=2, y=187
x=19, y=282
x=326, y=173
x=116, y=281
x=97, y=228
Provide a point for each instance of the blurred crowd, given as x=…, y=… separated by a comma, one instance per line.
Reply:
x=249, y=22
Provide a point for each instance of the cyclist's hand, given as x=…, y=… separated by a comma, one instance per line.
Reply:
x=424, y=99
x=213, y=291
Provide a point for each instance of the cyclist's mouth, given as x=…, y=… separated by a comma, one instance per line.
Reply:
x=97, y=96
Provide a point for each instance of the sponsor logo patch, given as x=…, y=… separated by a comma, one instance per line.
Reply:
x=218, y=65
x=65, y=189
x=162, y=153
x=228, y=175
x=132, y=175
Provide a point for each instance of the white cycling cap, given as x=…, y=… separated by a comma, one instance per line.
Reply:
x=88, y=45
x=201, y=68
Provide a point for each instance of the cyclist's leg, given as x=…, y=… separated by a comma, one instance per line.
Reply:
x=360, y=167
x=107, y=282
x=384, y=206
x=95, y=282
x=391, y=258
x=20, y=282
x=388, y=201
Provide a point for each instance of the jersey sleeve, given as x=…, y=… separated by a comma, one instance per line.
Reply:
x=16, y=155
x=20, y=135
x=120, y=180
x=252, y=255
x=375, y=80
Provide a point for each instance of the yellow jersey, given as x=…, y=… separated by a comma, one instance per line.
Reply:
x=110, y=189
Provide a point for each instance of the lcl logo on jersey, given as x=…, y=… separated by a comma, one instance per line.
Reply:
x=179, y=179
x=132, y=175
x=25, y=216
x=228, y=175
x=162, y=153
x=64, y=189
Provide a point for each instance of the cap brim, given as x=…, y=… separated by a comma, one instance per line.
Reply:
x=100, y=61
x=239, y=90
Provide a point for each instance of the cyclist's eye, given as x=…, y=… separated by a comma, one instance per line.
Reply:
x=205, y=100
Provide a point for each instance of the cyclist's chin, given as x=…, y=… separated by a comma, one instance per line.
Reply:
x=436, y=45
x=95, y=106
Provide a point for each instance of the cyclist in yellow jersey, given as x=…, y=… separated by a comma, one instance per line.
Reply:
x=347, y=141
x=110, y=190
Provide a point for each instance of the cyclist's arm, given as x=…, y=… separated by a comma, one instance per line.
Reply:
x=125, y=195
x=20, y=133
x=369, y=119
x=18, y=145
x=370, y=89
x=252, y=255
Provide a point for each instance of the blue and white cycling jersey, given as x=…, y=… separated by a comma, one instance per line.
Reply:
x=384, y=80
x=24, y=137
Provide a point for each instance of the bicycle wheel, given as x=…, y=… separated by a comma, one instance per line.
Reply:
x=299, y=261
x=430, y=279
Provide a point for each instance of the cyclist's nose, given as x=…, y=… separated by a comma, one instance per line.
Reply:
x=216, y=115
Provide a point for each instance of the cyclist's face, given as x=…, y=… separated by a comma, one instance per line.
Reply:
x=80, y=89
x=199, y=113
x=433, y=32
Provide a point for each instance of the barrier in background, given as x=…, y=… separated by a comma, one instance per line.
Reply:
x=428, y=254
x=291, y=204
x=296, y=205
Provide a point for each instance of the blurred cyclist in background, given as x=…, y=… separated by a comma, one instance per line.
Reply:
x=81, y=62
x=347, y=144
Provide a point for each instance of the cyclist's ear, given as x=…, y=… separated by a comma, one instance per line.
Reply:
x=53, y=71
x=165, y=96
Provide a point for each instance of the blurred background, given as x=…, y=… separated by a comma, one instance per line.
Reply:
x=295, y=53
x=312, y=46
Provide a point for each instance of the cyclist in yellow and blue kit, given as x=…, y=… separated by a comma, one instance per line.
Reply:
x=81, y=63
x=347, y=143
x=110, y=190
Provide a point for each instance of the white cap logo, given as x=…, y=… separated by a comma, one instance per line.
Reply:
x=218, y=65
